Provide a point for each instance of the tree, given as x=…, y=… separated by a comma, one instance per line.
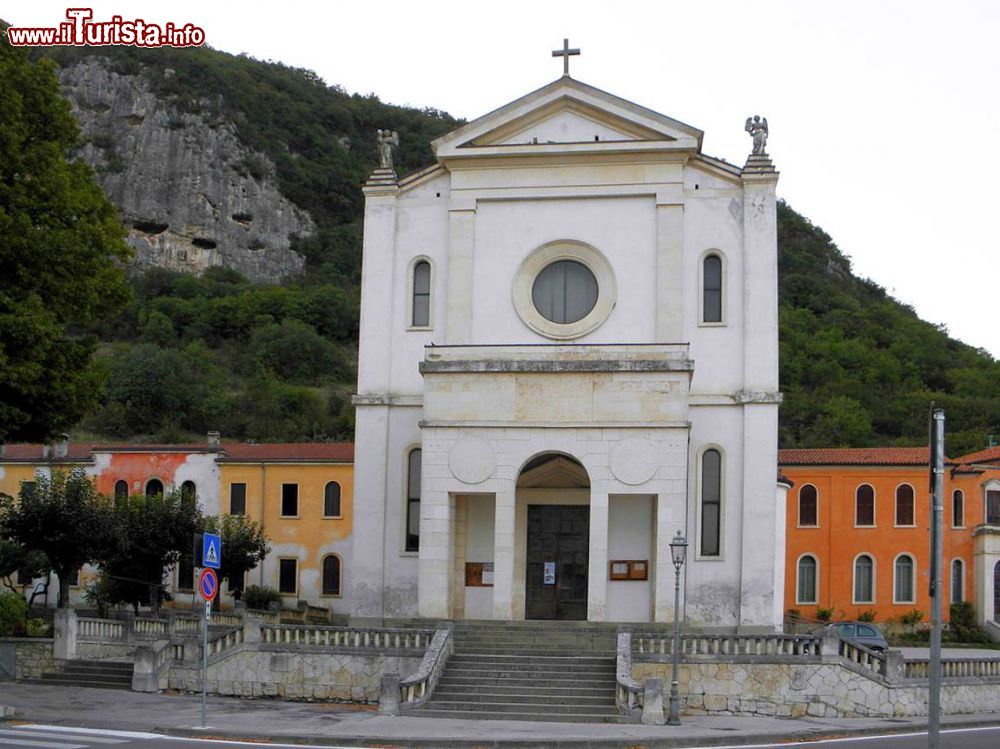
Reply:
x=244, y=546
x=61, y=254
x=30, y=563
x=150, y=534
x=64, y=517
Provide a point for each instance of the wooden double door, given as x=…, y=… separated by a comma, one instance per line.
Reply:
x=558, y=555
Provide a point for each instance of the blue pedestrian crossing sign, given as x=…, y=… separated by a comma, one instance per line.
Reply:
x=211, y=551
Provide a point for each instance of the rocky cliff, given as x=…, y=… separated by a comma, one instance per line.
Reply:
x=190, y=193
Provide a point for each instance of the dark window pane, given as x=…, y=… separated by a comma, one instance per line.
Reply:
x=904, y=505
x=413, y=501
x=711, y=501
x=713, y=289
x=993, y=507
x=236, y=584
x=331, y=576
x=957, y=575
x=27, y=489
x=865, y=506
x=22, y=578
x=957, y=509
x=331, y=500
x=287, y=575
x=807, y=580
x=237, y=499
x=808, y=501
x=185, y=573
x=290, y=499
x=154, y=487
x=121, y=491
x=863, y=574
x=564, y=292
x=188, y=492
x=421, y=294
x=904, y=579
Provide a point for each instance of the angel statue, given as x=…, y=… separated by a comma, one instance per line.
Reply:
x=757, y=127
x=386, y=140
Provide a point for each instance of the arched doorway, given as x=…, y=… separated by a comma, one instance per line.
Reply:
x=555, y=489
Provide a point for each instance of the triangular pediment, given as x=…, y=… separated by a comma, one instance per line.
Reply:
x=570, y=114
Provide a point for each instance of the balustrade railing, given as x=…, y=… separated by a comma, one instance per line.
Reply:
x=628, y=692
x=694, y=645
x=960, y=668
x=867, y=659
x=224, y=642
x=346, y=637
x=100, y=630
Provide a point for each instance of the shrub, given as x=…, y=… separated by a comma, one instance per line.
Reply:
x=259, y=597
x=963, y=627
x=37, y=628
x=13, y=612
x=824, y=615
x=912, y=618
x=868, y=615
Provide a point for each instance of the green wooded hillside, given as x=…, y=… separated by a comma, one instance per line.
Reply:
x=191, y=354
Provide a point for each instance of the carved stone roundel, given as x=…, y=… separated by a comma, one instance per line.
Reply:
x=472, y=460
x=634, y=461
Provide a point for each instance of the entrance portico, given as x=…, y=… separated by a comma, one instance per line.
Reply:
x=511, y=428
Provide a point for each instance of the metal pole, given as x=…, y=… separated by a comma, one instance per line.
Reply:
x=675, y=698
x=936, y=588
x=204, y=661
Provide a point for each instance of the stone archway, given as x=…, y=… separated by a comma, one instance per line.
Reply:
x=553, y=488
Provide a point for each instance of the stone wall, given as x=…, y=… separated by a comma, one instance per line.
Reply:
x=34, y=655
x=818, y=689
x=296, y=674
x=104, y=651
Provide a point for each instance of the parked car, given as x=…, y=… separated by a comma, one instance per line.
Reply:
x=862, y=633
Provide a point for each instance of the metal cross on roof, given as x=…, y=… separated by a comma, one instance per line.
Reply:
x=564, y=53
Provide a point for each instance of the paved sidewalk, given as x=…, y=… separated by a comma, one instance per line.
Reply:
x=345, y=725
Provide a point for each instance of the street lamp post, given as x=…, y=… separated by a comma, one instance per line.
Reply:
x=678, y=552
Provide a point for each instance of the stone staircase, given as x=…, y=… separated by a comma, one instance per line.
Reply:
x=100, y=674
x=558, y=671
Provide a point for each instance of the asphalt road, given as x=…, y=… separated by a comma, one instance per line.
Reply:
x=960, y=738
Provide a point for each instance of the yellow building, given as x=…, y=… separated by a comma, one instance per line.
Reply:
x=302, y=495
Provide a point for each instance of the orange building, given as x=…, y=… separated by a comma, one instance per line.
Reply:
x=858, y=531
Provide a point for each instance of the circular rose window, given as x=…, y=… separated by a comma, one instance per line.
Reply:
x=564, y=292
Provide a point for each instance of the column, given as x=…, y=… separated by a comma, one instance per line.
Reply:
x=597, y=576
x=437, y=510
x=503, y=554
x=670, y=265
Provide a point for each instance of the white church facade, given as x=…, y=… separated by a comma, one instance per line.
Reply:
x=569, y=353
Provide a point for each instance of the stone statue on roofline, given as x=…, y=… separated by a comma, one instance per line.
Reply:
x=757, y=127
x=387, y=139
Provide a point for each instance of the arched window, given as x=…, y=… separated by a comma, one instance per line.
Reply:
x=564, y=292
x=993, y=507
x=903, y=586
x=413, y=500
x=154, y=487
x=421, y=311
x=331, y=575
x=808, y=505
x=957, y=581
x=957, y=509
x=864, y=506
x=711, y=502
x=331, y=500
x=712, y=280
x=864, y=579
x=904, y=505
x=189, y=492
x=121, y=490
x=805, y=588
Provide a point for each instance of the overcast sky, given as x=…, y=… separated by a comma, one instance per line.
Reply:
x=884, y=116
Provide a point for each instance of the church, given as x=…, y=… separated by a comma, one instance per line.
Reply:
x=569, y=355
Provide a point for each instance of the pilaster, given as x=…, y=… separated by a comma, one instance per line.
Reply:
x=669, y=520
x=461, y=245
x=503, y=554
x=436, y=564
x=669, y=266
x=597, y=577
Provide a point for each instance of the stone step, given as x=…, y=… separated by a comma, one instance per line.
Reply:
x=464, y=656
x=51, y=679
x=110, y=667
x=604, y=691
x=580, y=700
x=500, y=708
x=566, y=669
x=584, y=717
x=473, y=680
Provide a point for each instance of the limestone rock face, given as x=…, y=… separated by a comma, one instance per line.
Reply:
x=191, y=194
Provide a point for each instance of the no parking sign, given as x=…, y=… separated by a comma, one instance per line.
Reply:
x=208, y=584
